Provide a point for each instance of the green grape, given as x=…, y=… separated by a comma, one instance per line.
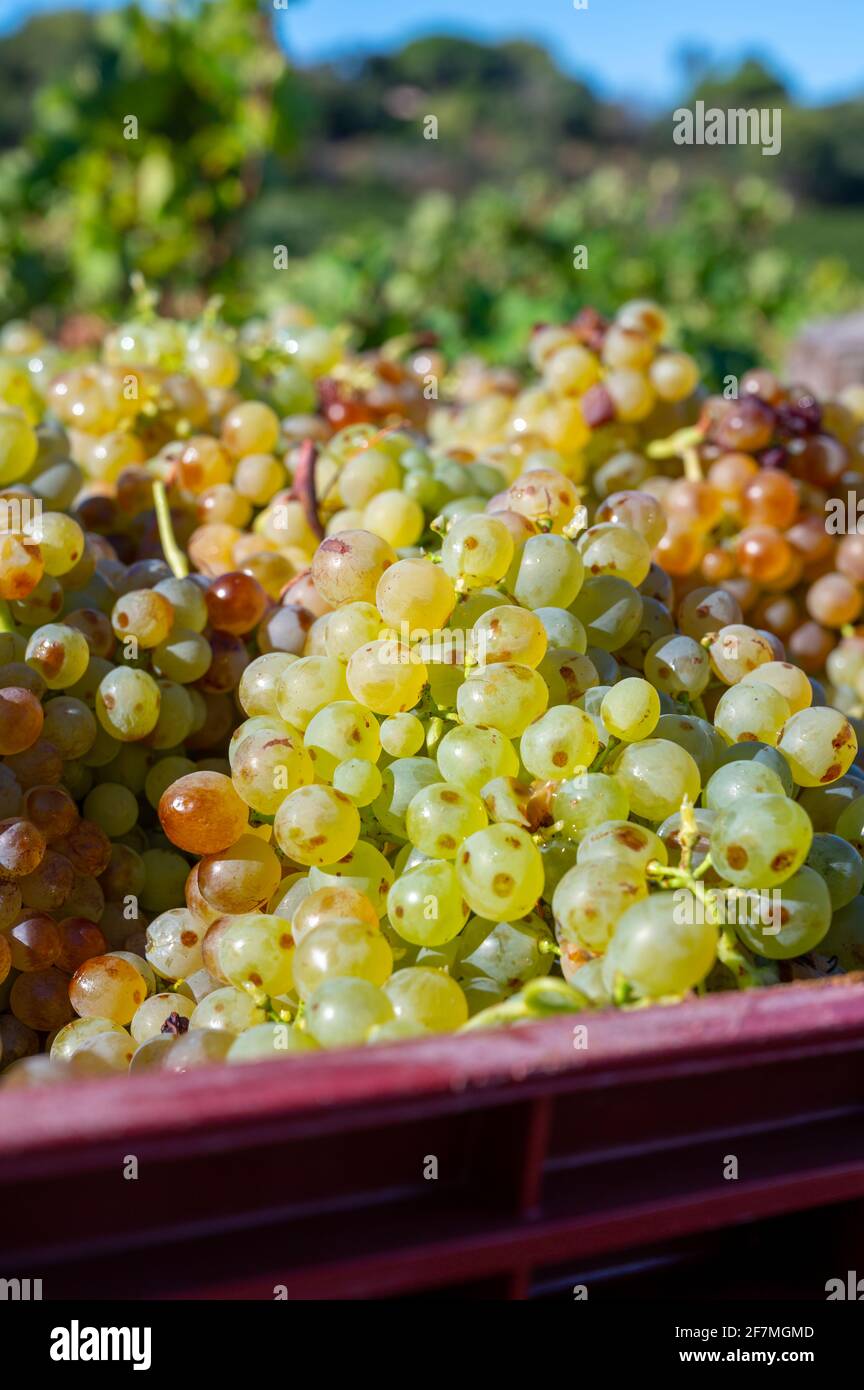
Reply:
x=546, y=573
x=316, y=825
x=227, y=1010
x=258, y=724
x=59, y=653
x=581, y=803
x=255, y=953
x=505, y=696
x=734, y=781
x=307, y=685
x=500, y=872
x=761, y=843
x=174, y=944
x=359, y=780
x=678, y=665
x=259, y=683
x=663, y=945
x=341, y=730
x=365, y=868
x=476, y=551
x=470, y=607
x=469, y=756
x=657, y=775
x=386, y=676
x=608, y=670
x=413, y=597
x=184, y=656
x=586, y=976
x=844, y=939
x=401, y=782
x=506, y=799
x=269, y=765
x=269, y=1041
x=352, y=626
x=165, y=877
x=427, y=999
x=611, y=548
x=341, y=948
x=790, y=681
x=819, y=746
x=610, y=610
x=559, y=743
x=161, y=776
x=591, y=898
x=402, y=735
x=623, y=842
x=127, y=704
x=737, y=650
x=630, y=709
x=697, y=736
x=508, y=953
x=760, y=753
x=61, y=541
x=425, y=904
x=850, y=823
x=568, y=675
x=564, y=632
x=149, y=1020
x=840, y=866
x=656, y=624
x=341, y=1012
x=509, y=633
x=187, y=600
x=69, y=1038
x=751, y=712
x=18, y=447
x=176, y=715
x=439, y=817
x=58, y=486
x=797, y=923
x=70, y=726
x=112, y=807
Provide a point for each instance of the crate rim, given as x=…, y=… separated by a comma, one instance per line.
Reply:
x=51, y=1125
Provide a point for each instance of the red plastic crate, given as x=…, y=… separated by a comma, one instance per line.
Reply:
x=556, y=1164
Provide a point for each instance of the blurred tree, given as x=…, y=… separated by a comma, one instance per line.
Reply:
x=43, y=49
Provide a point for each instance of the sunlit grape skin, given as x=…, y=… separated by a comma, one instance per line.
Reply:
x=202, y=813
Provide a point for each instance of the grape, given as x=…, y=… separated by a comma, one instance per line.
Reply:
x=564, y=632
x=761, y=753
x=509, y=634
x=819, y=746
x=622, y=841
x=346, y=567
x=341, y=1012
x=656, y=776
x=259, y=683
x=839, y=865
x=590, y=899
x=59, y=653
x=361, y=781
x=343, y=729
x=307, y=686
x=269, y=1041
x=506, y=953
x=386, y=676
x=500, y=872
x=341, y=948
x=427, y=998
x=151, y=1017
x=737, y=650
x=255, y=953
x=470, y=756
x=143, y=614
x=505, y=696
x=583, y=802
x=365, y=869
x=610, y=610
x=700, y=739
x=476, y=551
x=613, y=548
x=849, y=824
x=803, y=915
x=844, y=939
x=316, y=825
x=225, y=1010
x=663, y=945
x=630, y=710
x=561, y=741
x=21, y=720
x=751, y=712
x=402, y=735
x=761, y=843
x=547, y=572
x=112, y=807
x=174, y=944
x=127, y=704
x=737, y=780
x=107, y=987
x=425, y=904
x=440, y=816
x=202, y=813
x=73, y=1035
x=240, y=878
x=785, y=678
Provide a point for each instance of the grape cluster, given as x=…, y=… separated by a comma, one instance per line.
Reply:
x=327, y=718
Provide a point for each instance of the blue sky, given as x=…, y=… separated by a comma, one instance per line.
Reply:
x=629, y=46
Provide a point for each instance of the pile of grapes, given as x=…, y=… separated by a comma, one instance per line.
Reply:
x=347, y=698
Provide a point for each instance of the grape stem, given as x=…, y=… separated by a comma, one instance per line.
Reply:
x=604, y=754
x=174, y=556
x=303, y=486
